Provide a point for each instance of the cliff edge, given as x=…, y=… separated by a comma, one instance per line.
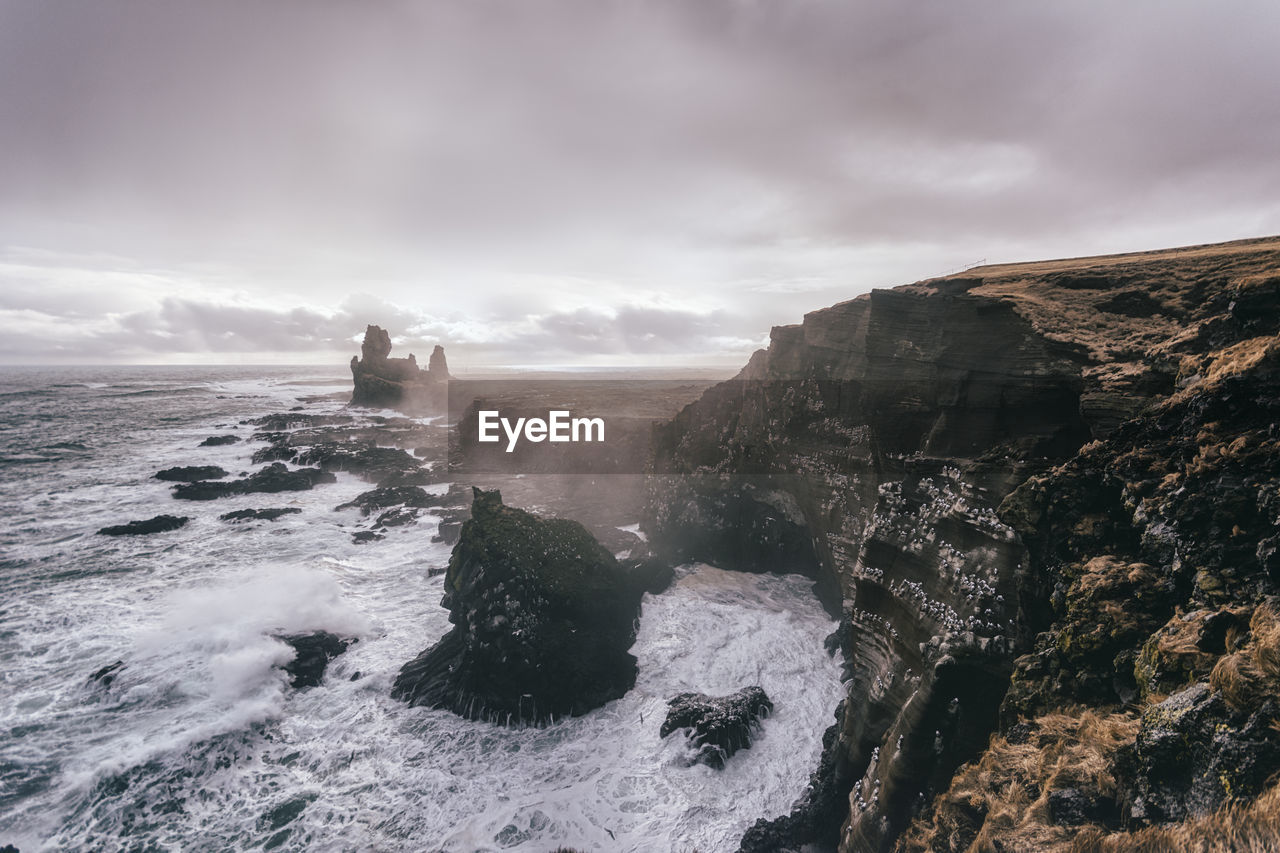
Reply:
x=1042, y=500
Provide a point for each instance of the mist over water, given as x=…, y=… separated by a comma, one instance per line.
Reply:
x=200, y=743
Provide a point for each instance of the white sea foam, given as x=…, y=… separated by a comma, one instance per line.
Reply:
x=200, y=739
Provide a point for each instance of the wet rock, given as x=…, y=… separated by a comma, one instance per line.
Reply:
x=364, y=537
x=158, y=524
x=362, y=458
x=376, y=499
x=108, y=673
x=719, y=725
x=281, y=421
x=449, y=531
x=219, y=440
x=191, y=473
x=543, y=619
x=313, y=652
x=269, y=514
x=276, y=477
x=397, y=517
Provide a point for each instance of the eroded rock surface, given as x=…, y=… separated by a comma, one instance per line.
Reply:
x=1124, y=406
x=158, y=524
x=397, y=383
x=718, y=726
x=543, y=619
x=276, y=477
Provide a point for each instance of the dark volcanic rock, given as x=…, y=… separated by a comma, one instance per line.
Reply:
x=314, y=651
x=269, y=514
x=1194, y=754
x=719, y=725
x=376, y=499
x=543, y=619
x=108, y=673
x=1014, y=481
x=159, y=524
x=219, y=440
x=191, y=473
x=276, y=477
x=362, y=458
x=384, y=382
x=397, y=517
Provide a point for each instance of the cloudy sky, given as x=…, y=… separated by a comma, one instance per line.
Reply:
x=590, y=181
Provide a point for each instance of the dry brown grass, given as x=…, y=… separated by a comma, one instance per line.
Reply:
x=1252, y=673
x=1241, y=828
x=1000, y=802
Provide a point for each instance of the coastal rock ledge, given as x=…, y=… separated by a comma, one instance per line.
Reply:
x=543, y=619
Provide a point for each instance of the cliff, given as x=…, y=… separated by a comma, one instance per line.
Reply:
x=1021, y=475
x=397, y=383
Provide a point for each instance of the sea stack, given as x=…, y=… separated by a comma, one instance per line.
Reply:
x=396, y=383
x=543, y=620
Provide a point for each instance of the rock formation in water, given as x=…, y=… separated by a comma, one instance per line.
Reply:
x=718, y=726
x=276, y=477
x=397, y=383
x=1042, y=498
x=158, y=524
x=312, y=653
x=543, y=619
x=191, y=473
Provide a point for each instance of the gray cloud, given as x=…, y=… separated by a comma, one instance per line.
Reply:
x=619, y=177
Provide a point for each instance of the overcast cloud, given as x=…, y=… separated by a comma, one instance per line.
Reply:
x=591, y=181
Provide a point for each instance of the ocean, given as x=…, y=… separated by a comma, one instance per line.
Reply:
x=201, y=744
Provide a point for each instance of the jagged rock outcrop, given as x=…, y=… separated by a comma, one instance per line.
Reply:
x=312, y=653
x=718, y=726
x=543, y=619
x=158, y=524
x=873, y=447
x=276, y=477
x=397, y=383
x=266, y=514
x=191, y=473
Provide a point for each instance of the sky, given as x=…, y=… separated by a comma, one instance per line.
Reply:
x=590, y=182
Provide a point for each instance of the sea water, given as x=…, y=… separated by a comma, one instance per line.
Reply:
x=201, y=744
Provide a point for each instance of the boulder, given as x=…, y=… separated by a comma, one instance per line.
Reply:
x=219, y=440
x=1195, y=754
x=159, y=524
x=191, y=473
x=543, y=619
x=378, y=499
x=108, y=673
x=276, y=477
x=313, y=652
x=718, y=725
x=269, y=514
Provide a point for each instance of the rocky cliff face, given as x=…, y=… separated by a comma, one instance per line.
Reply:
x=397, y=383
x=1002, y=477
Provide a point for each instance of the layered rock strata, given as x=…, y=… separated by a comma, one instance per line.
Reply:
x=872, y=447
